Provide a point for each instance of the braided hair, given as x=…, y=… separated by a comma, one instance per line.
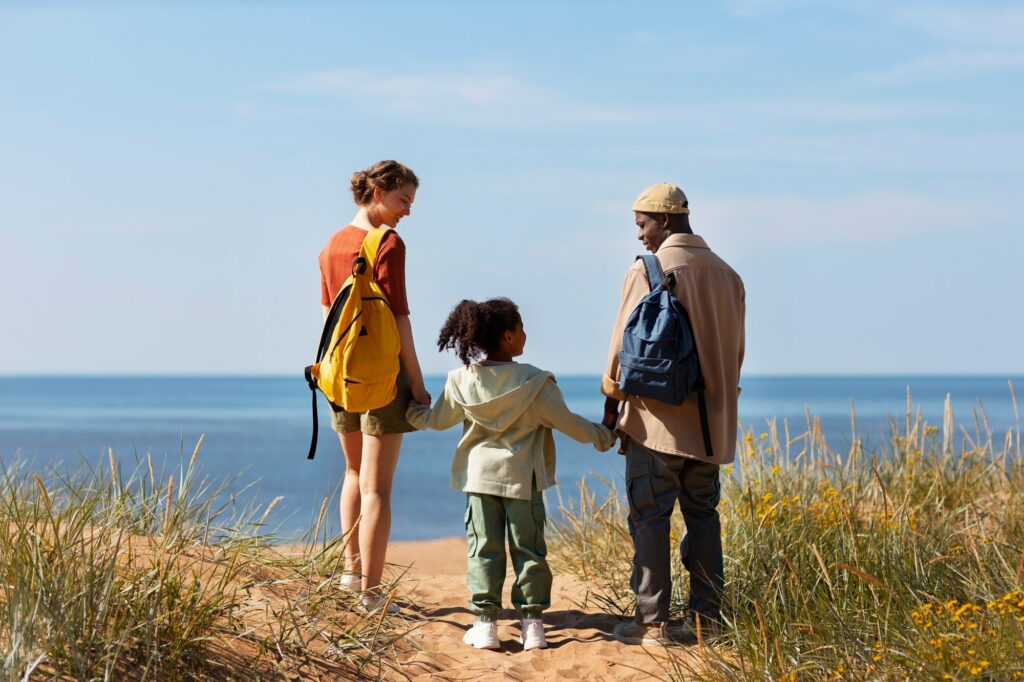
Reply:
x=474, y=329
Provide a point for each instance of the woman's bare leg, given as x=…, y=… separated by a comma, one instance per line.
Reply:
x=380, y=456
x=352, y=447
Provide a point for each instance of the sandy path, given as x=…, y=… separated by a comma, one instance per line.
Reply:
x=580, y=644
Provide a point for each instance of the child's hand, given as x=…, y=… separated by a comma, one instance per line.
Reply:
x=607, y=439
x=416, y=415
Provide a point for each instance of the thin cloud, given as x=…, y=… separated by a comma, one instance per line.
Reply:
x=833, y=110
x=862, y=217
x=497, y=100
x=408, y=90
x=969, y=25
x=463, y=99
x=946, y=66
x=750, y=9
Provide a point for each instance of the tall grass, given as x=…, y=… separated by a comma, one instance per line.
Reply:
x=906, y=562
x=157, y=576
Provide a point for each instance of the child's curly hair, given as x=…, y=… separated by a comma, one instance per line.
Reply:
x=474, y=329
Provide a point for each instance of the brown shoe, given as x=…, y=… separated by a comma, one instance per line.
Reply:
x=645, y=634
x=687, y=631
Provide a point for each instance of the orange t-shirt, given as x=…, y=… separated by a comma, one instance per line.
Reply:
x=389, y=270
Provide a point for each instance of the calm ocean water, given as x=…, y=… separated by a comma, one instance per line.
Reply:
x=257, y=429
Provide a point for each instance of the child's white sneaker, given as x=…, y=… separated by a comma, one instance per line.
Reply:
x=352, y=582
x=532, y=634
x=482, y=635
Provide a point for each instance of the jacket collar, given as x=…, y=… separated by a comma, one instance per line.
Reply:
x=692, y=241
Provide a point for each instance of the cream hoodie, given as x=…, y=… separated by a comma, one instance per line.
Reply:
x=507, y=411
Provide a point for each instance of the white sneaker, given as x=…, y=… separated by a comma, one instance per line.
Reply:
x=371, y=603
x=482, y=636
x=532, y=634
x=353, y=582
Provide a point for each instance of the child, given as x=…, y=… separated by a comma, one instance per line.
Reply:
x=505, y=459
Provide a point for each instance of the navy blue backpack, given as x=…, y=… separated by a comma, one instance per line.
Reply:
x=659, y=352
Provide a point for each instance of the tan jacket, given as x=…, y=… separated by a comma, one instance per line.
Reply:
x=714, y=297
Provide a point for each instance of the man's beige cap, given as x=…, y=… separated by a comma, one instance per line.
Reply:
x=661, y=198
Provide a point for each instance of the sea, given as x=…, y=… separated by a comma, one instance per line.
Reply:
x=257, y=430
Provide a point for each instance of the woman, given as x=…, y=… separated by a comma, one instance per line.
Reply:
x=384, y=193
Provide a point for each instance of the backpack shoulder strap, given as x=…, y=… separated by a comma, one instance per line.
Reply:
x=371, y=245
x=316, y=426
x=705, y=428
x=654, y=277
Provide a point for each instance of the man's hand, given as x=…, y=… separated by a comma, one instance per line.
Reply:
x=611, y=413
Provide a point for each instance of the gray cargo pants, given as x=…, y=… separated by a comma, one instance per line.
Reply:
x=654, y=482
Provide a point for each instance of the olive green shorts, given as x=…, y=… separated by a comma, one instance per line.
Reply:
x=383, y=420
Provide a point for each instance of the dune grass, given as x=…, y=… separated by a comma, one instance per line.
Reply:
x=902, y=563
x=156, y=576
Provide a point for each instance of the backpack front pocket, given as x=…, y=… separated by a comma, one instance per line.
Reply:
x=647, y=377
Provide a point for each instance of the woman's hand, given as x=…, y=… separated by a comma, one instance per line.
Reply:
x=420, y=394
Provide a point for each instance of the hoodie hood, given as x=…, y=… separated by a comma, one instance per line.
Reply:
x=495, y=396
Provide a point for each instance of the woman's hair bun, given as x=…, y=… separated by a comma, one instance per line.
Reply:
x=384, y=175
x=361, y=190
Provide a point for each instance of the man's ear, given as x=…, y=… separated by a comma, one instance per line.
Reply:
x=665, y=220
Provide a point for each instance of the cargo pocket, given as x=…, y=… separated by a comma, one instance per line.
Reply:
x=639, y=484
x=540, y=520
x=471, y=538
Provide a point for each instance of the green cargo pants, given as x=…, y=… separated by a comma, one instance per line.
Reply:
x=487, y=517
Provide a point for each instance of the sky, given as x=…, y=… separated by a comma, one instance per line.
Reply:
x=169, y=173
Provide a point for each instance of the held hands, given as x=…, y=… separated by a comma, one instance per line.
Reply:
x=610, y=419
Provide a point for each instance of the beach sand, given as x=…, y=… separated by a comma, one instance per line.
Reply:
x=430, y=578
x=435, y=598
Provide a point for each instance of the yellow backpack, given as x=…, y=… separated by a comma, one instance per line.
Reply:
x=357, y=361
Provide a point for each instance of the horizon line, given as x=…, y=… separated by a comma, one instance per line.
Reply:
x=571, y=375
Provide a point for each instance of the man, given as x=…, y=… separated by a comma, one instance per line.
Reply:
x=666, y=455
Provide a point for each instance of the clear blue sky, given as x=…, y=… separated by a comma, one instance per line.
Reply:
x=170, y=172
